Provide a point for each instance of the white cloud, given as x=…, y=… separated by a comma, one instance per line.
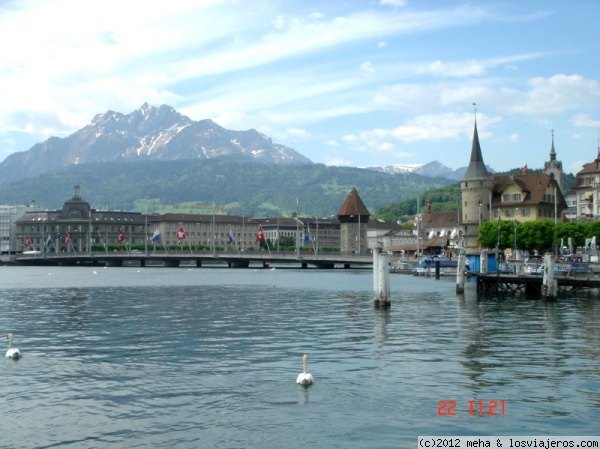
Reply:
x=394, y=2
x=584, y=120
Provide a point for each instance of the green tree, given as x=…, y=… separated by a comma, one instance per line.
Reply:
x=536, y=235
x=576, y=231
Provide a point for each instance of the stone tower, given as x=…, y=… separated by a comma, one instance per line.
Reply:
x=553, y=168
x=476, y=190
x=353, y=217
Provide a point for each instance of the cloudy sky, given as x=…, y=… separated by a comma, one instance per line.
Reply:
x=346, y=82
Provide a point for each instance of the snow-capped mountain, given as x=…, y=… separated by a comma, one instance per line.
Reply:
x=148, y=133
x=433, y=169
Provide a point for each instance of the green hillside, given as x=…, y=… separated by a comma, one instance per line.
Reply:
x=237, y=187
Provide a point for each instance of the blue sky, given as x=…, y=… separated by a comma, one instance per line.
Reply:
x=358, y=83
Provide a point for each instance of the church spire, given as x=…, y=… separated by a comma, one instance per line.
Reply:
x=552, y=152
x=476, y=169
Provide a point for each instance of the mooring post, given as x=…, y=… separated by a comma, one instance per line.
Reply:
x=483, y=262
x=384, y=281
x=460, y=272
x=549, y=282
x=376, y=252
x=381, y=279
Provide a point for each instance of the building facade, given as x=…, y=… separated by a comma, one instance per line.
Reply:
x=354, y=218
x=77, y=226
x=584, y=196
x=9, y=216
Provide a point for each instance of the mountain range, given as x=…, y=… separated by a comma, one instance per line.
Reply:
x=157, y=146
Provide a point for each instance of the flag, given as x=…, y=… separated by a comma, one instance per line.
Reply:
x=98, y=239
x=523, y=170
x=307, y=237
x=49, y=242
x=181, y=234
x=121, y=237
x=231, y=237
x=67, y=239
x=156, y=236
x=27, y=241
x=260, y=235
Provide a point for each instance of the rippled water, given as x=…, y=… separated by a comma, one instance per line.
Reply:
x=178, y=358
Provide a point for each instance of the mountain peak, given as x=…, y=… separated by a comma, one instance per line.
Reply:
x=148, y=133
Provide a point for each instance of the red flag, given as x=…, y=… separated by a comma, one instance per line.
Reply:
x=27, y=241
x=260, y=235
x=524, y=170
x=121, y=237
x=67, y=239
x=181, y=234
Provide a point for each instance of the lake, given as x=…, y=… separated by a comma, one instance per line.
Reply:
x=208, y=358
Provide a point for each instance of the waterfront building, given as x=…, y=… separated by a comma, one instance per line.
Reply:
x=76, y=226
x=311, y=232
x=476, y=190
x=527, y=197
x=209, y=231
x=584, y=197
x=390, y=236
x=523, y=197
x=8, y=225
x=354, y=217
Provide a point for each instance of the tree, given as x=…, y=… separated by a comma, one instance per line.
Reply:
x=531, y=236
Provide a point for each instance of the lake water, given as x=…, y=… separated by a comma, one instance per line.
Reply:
x=208, y=358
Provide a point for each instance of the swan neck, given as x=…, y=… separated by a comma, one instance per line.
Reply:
x=305, y=364
x=10, y=338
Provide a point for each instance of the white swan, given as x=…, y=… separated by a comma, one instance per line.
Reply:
x=305, y=378
x=13, y=353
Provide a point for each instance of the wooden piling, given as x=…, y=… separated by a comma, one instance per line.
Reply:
x=460, y=272
x=483, y=262
x=549, y=282
x=381, y=279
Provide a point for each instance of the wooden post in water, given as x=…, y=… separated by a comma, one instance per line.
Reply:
x=460, y=272
x=549, y=282
x=483, y=262
x=376, y=252
x=437, y=269
x=381, y=276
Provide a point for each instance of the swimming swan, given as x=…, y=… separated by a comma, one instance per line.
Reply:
x=305, y=378
x=13, y=353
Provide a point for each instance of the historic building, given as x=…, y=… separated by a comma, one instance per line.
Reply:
x=76, y=227
x=553, y=167
x=354, y=218
x=520, y=198
x=584, y=196
x=307, y=233
x=476, y=190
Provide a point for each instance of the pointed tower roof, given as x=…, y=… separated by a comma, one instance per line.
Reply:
x=353, y=206
x=476, y=169
x=552, y=151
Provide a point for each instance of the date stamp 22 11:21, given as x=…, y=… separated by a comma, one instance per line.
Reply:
x=477, y=407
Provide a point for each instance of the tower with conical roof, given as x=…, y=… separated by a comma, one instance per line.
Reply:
x=353, y=217
x=553, y=168
x=476, y=190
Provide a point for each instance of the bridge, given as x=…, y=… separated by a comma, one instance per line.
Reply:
x=199, y=259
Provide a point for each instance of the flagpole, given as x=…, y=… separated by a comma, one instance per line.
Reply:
x=90, y=233
x=146, y=232
x=214, y=248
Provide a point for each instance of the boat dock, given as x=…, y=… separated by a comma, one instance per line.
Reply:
x=531, y=284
